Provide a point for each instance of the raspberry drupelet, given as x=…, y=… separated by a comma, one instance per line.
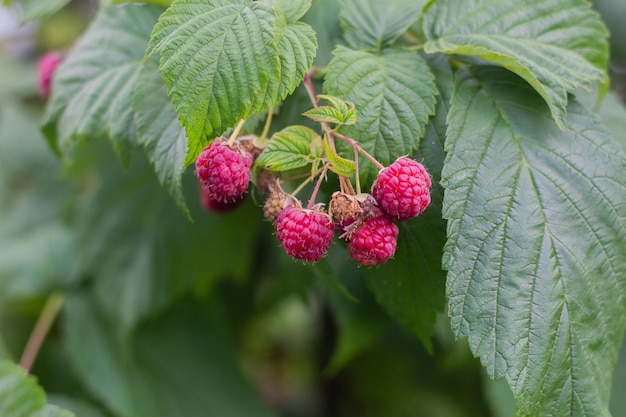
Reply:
x=306, y=234
x=402, y=190
x=374, y=243
x=224, y=171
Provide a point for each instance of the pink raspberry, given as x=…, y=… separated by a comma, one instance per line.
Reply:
x=305, y=234
x=374, y=243
x=402, y=190
x=47, y=65
x=224, y=171
x=210, y=204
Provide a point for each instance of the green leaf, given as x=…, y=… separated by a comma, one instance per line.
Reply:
x=292, y=147
x=341, y=112
x=225, y=61
x=394, y=94
x=612, y=112
x=618, y=402
x=159, y=131
x=20, y=396
x=338, y=165
x=143, y=254
x=536, y=255
x=178, y=364
x=376, y=24
x=555, y=45
x=325, y=114
x=93, y=87
x=411, y=287
x=293, y=9
x=296, y=48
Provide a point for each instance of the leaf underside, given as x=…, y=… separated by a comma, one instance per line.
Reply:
x=374, y=23
x=159, y=131
x=92, y=90
x=536, y=260
x=557, y=46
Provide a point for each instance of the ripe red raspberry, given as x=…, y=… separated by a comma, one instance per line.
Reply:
x=47, y=65
x=305, y=234
x=224, y=170
x=210, y=204
x=374, y=243
x=402, y=190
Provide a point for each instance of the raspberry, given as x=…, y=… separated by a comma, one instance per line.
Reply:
x=224, y=171
x=274, y=205
x=402, y=189
x=350, y=212
x=210, y=204
x=305, y=234
x=374, y=242
x=47, y=65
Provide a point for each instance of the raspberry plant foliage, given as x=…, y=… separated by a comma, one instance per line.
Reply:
x=524, y=236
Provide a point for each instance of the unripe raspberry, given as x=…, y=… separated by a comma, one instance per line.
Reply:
x=47, y=65
x=224, y=170
x=349, y=212
x=305, y=234
x=402, y=190
x=274, y=205
x=374, y=243
x=210, y=204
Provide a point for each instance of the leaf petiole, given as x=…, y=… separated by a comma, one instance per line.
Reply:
x=236, y=132
x=40, y=331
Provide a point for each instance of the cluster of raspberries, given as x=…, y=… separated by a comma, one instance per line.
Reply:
x=364, y=221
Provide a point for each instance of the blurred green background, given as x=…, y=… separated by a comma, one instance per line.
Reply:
x=164, y=317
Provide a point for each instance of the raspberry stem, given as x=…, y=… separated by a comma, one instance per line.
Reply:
x=262, y=142
x=42, y=327
x=302, y=185
x=236, y=132
x=308, y=84
x=356, y=167
x=317, y=187
x=331, y=134
x=345, y=185
x=358, y=148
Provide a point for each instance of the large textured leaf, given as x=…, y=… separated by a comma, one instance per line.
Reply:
x=159, y=131
x=394, y=94
x=296, y=48
x=536, y=255
x=555, y=45
x=143, y=253
x=411, y=287
x=20, y=396
x=178, y=364
x=292, y=9
x=93, y=88
x=296, y=43
x=375, y=23
x=224, y=61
